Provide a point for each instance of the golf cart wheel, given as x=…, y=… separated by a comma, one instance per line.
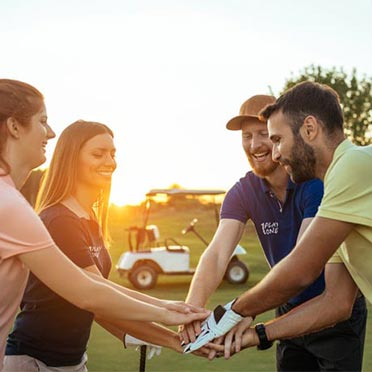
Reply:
x=143, y=277
x=236, y=272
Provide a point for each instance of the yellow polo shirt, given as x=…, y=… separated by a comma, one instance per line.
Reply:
x=348, y=197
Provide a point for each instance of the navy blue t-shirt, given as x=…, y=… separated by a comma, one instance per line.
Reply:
x=48, y=327
x=277, y=224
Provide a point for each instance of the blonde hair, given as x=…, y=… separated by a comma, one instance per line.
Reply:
x=60, y=179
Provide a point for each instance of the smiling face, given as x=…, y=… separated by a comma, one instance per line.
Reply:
x=96, y=162
x=34, y=138
x=258, y=147
x=290, y=150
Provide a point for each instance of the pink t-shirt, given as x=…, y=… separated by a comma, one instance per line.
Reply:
x=21, y=231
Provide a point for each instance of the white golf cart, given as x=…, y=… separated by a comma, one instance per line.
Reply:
x=148, y=257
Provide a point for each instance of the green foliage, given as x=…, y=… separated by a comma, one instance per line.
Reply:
x=355, y=96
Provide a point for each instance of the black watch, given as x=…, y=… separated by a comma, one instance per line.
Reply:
x=261, y=333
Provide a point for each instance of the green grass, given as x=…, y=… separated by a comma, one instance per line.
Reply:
x=107, y=354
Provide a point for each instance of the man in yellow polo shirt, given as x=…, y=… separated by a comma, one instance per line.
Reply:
x=348, y=198
x=306, y=127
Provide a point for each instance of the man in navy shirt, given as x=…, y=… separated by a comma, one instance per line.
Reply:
x=280, y=211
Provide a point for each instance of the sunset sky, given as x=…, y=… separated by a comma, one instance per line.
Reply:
x=166, y=76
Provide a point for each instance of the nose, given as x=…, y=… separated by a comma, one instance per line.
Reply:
x=256, y=143
x=275, y=154
x=110, y=161
x=50, y=133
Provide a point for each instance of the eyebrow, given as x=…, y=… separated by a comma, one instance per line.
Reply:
x=104, y=148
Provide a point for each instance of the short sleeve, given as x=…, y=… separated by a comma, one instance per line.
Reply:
x=312, y=197
x=71, y=238
x=233, y=205
x=348, y=190
x=21, y=229
x=336, y=258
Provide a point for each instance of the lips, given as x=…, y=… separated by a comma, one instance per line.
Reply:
x=260, y=156
x=107, y=173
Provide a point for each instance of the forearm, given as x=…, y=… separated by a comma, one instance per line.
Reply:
x=276, y=288
x=312, y=316
x=298, y=270
x=70, y=282
x=213, y=263
x=150, y=332
x=134, y=294
x=206, y=279
x=334, y=305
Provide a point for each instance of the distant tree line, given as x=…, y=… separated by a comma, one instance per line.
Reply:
x=355, y=96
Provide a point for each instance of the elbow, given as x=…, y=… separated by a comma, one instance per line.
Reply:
x=87, y=304
x=345, y=310
x=342, y=307
x=303, y=281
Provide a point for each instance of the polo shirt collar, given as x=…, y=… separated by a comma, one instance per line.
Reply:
x=265, y=187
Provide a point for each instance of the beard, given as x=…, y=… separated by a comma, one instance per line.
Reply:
x=302, y=161
x=264, y=169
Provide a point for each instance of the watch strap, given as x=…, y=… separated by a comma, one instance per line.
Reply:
x=261, y=333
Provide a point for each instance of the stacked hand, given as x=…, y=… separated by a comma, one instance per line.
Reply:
x=238, y=338
x=217, y=324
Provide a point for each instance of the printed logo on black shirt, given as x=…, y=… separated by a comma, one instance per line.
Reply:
x=94, y=251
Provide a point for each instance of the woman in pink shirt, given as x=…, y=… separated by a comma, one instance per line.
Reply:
x=25, y=243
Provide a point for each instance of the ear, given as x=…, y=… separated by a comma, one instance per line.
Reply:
x=310, y=128
x=13, y=127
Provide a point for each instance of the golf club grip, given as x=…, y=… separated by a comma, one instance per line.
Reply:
x=143, y=352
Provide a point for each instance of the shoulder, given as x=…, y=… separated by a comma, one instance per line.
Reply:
x=353, y=165
x=13, y=203
x=249, y=180
x=357, y=156
x=58, y=212
x=314, y=185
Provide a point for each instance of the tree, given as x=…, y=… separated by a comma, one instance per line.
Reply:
x=355, y=96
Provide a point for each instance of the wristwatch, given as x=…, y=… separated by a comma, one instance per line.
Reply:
x=261, y=333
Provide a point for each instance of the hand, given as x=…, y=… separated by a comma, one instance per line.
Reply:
x=130, y=341
x=236, y=335
x=216, y=348
x=218, y=323
x=180, y=306
x=220, y=347
x=171, y=317
x=188, y=332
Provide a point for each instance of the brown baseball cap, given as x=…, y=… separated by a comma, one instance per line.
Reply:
x=250, y=109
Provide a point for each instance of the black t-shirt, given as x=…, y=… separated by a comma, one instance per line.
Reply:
x=48, y=327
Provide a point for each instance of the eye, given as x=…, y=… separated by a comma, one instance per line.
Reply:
x=247, y=135
x=275, y=140
x=97, y=155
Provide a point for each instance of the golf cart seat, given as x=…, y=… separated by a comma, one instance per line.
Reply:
x=173, y=246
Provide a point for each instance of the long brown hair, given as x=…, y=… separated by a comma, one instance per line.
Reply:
x=60, y=179
x=20, y=101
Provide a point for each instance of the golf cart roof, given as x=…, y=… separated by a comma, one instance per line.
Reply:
x=199, y=192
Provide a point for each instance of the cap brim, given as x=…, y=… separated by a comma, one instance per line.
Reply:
x=236, y=122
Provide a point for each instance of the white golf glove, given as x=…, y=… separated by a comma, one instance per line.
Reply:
x=217, y=324
x=130, y=341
